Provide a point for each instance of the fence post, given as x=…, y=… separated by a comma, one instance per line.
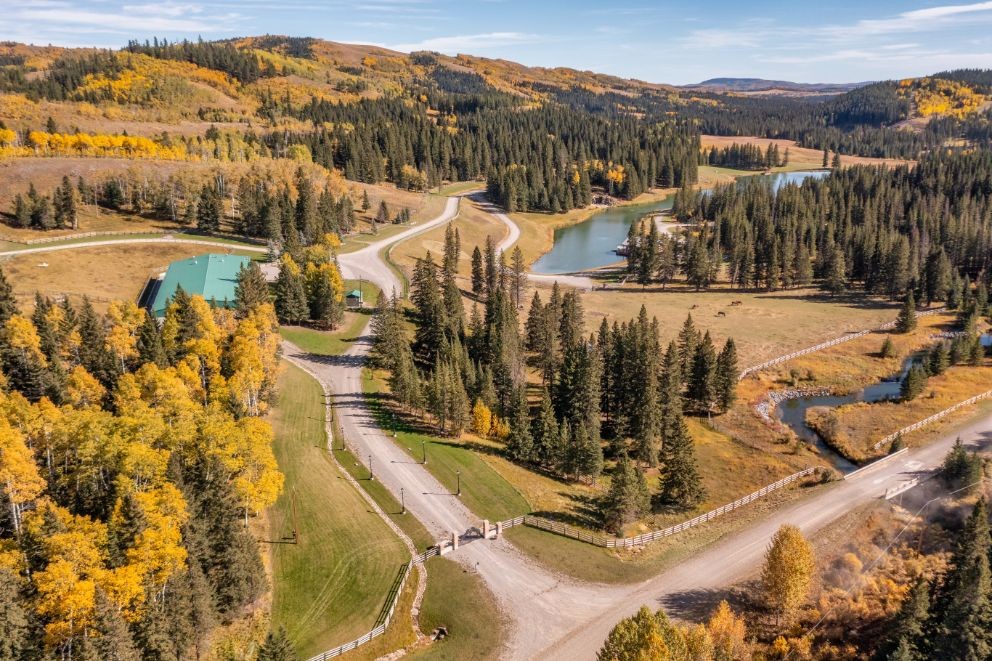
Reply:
x=499, y=529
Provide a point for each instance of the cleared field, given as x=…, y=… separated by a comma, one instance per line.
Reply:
x=473, y=226
x=329, y=587
x=462, y=186
x=800, y=158
x=104, y=273
x=459, y=600
x=764, y=325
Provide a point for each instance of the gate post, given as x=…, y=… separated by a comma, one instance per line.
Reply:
x=485, y=529
x=499, y=529
x=454, y=541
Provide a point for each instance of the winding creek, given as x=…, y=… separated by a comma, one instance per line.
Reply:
x=792, y=412
x=591, y=244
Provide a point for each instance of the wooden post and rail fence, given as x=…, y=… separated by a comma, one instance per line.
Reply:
x=648, y=537
x=825, y=345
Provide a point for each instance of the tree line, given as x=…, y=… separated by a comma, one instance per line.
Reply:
x=885, y=230
x=544, y=159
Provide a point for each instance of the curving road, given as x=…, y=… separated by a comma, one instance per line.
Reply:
x=68, y=245
x=552, y=617
x=513, y=233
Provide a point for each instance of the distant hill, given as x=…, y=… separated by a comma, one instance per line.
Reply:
x=757, y=85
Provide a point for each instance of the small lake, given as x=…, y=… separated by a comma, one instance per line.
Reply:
x=792, y=412
x=591, y=244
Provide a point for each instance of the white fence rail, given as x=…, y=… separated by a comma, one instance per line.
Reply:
x=388, y=612
x=933, y=418
x=875, y=464
x=825, y=345
x=646, y=538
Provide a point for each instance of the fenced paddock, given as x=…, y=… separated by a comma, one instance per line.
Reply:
x=609, y=542
x=826, y=345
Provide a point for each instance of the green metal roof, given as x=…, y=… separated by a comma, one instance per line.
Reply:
x=354, y=293
x=213, y=276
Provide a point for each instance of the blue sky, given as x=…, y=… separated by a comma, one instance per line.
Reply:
x=661, y=41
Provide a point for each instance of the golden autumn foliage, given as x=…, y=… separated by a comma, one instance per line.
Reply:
x=940, y=97
x=788, y=571
x=206, y=406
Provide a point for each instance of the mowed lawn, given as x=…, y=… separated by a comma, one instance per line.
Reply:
x=330, y=587
x=458, y=600
x=337, y=341
x=484, y=491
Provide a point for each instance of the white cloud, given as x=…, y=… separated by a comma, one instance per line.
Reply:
x=469, y=42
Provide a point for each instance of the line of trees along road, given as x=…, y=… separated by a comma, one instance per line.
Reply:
x=471, y=371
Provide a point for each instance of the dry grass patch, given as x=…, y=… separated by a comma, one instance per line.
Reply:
x=800, y=158
x=104, y=273
x=764, y=325
x=473, y=224
x=856, y=427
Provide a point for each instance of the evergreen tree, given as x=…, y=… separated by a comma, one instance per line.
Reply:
x=964, y=627
x=727, y=375
x=478, y=274
x=149, y=343
x=519, y=444
x=251, y=289
x=15, y=641
x=545, y=432
x=277, y=647
x=906, y=641
x=702, y=380
x=627, y=498
x=681, y=485
x=114, y=642
x=209, y=210
x=913, y=383
x=888, y=349
x=906, y=321
x=290, y=290
x=8, y=303
x=961, y=468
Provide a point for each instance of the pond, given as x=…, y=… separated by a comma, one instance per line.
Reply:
x=792, y=412
x=592, y=243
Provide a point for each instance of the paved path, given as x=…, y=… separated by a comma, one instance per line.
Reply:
x=513, y=233
x=112, y=242
x=552, y=617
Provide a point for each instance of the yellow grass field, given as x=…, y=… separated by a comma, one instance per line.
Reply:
x=764, y=325
x=104, y=273
x=800, y=158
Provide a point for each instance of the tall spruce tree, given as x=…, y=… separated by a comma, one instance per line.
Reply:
x=727, y=375
x=627, y=498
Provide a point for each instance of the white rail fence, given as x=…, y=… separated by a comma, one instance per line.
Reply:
x=112, y=233
x=933, y=418
x=825, y=345
x=388, y=611
x=646, y=538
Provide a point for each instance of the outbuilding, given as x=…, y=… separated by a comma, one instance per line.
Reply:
x=212, y=276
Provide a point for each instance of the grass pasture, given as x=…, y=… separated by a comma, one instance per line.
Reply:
x=105, y=273
x=764, y=325
x=330, y=587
